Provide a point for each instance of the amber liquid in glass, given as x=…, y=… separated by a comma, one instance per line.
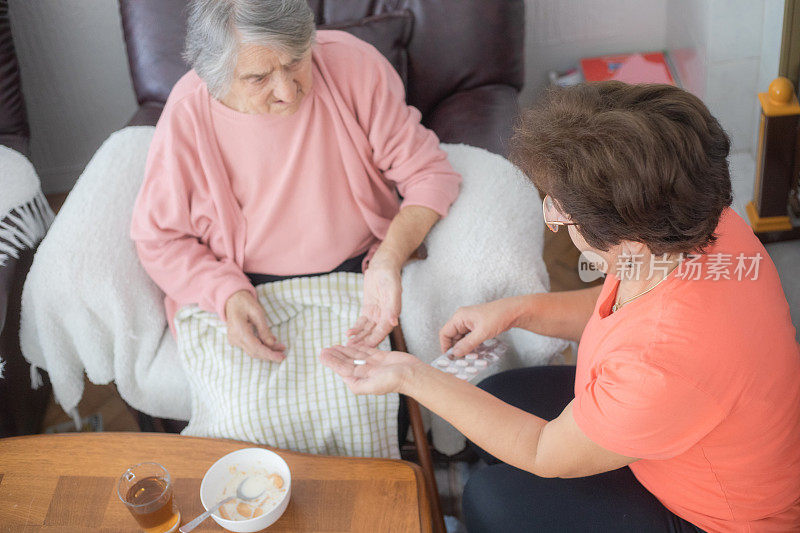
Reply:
x=158, y=515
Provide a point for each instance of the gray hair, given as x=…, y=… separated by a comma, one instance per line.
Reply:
x=216, y=28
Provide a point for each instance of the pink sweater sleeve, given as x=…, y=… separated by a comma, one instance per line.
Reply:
x=169, y=247
x=403, y=149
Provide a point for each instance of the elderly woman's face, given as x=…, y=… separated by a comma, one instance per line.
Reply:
x=267, y=81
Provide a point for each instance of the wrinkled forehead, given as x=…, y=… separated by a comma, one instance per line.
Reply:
x=256, y=58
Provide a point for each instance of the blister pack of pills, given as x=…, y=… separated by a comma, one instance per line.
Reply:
x=475, y=365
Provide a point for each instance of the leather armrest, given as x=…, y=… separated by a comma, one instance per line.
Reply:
x=146, y=115
x=22, y=409
x=482, y=117
x=10, y=271
x=16, y=142
x=7, y=272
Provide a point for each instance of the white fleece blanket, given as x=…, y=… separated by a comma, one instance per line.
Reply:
x=24, y=212
x=88, y=306
x=20, y=191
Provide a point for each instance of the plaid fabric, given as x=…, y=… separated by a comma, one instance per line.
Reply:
x=298, y=404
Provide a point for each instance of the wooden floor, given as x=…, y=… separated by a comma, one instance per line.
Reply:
x=560, y=256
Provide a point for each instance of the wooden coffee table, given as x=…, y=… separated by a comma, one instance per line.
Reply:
x=67, y=483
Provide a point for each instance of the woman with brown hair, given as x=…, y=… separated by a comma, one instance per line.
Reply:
x=684, y=409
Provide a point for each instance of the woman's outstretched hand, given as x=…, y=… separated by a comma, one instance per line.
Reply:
x=472, y=325
x=381, y=306
x=248, y=328
x=380, y=373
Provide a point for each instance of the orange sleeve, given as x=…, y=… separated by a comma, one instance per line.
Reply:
x=638, y=409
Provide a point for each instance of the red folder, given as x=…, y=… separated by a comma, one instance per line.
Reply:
x=631, y=68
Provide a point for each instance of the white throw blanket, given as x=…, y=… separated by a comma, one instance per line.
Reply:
x=24, y=212
x=89, y=306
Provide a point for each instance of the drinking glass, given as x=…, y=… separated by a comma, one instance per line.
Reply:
x=146, y=490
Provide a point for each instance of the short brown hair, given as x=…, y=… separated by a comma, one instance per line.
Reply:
x=644, y=163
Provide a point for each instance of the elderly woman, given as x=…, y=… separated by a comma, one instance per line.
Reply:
x=281, y=153
x=684, y=409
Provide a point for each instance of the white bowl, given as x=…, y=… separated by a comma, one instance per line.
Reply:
x=219, y=475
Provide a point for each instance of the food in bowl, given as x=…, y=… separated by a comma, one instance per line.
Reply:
x=269, y=484
x=218, y=479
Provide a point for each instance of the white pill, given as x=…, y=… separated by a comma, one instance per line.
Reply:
x=481, y=363
x=491, y=343
x=452, y=369
x=471, y=370
x=359, y=362
x=461, y=362
x=471, y=356
x=461, y=375
x=442, y=362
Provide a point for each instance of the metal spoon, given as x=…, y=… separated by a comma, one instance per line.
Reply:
x=239, y=494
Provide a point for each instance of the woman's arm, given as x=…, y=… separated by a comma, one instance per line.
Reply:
x=549, y=449
x=188, y=271
x=554, y=314
x=170, y=248
x=406, y=232
x=168, y=244
x=382, y=289
x=407, y=154
x=558, y=314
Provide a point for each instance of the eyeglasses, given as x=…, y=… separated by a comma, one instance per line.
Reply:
x=553, y=218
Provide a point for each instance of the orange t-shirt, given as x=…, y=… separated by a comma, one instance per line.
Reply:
x=700, y=379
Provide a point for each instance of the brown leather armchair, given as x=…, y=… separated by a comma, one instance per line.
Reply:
x=465, y=59
x=465, y=66
x=21, y=408
x=14, y=131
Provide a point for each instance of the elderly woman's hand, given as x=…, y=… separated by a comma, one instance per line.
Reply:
x=248, y=328
x=381, y=306
x=378, y=373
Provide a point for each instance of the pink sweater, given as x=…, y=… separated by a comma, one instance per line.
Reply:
x=226, y=193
